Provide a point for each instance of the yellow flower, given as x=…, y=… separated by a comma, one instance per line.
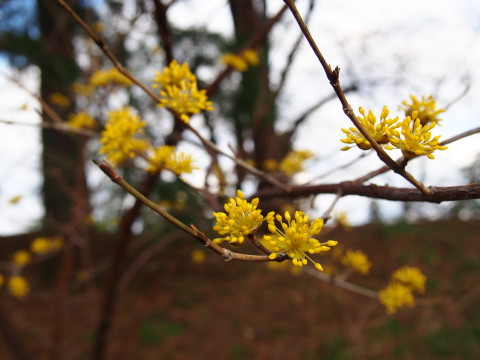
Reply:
x=270, y=164
x=44, y=245
x=120, y=138
x=426, y=109
x=15, y=199
x=107, y=77
x=293, y=162
x=241, y=61
x=2, y=280
x=342, y=220
x=59, y=99
x=198, y=256
x=376, y=130
x=356, y=260
x=173, y=75
x=411, y=277
x=82, y=89
x=179, y=92
x=21, y=258
x=241, y=219
x=414, y=139
x=164, y=157
x=18, y=286
x=82, y=120
x=395, y=296
x=295, y=238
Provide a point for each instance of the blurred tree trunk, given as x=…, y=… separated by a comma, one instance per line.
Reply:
x=255, y=112
x=64, y=191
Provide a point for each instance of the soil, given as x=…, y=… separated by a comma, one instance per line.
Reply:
x=175, y=308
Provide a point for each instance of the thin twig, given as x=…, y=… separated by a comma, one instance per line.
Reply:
x=341, y=283
x=190, y=230
x=103, y=46
x=333, y=77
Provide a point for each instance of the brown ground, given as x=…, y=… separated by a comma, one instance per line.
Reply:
x=177, y=309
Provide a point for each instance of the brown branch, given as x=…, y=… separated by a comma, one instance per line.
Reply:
x=436, y=195
x=384, y=169
x=190, y=230
x=333, y=78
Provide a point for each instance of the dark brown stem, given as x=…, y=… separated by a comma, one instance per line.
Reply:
x=333, y=78
x=436, y=195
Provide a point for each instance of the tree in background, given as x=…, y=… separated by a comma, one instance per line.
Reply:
x=97, y=100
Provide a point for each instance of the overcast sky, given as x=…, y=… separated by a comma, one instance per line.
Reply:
x=420, y=47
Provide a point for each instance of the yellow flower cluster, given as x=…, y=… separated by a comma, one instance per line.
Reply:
x=109, y=77
x=59, y=99
x=18, y=286
x=415, y=137
x=82, y=120
x=426, y=109
x=357, y=260
x=165, y=157
x=241, y=219
x=242, y=61
x=292, y=163
x=369, y=122
x=294, y=237
x=411, y=277
x=120, y=139
x=44, y=245
x=21, y=258
x=179, y=91
x=82, y=89
x=399, y=292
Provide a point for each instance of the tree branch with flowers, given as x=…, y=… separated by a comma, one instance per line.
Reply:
x=271, y=225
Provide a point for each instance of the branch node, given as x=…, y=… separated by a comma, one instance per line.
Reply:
x=227, y=255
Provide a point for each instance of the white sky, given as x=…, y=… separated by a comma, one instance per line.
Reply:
x=437, y=41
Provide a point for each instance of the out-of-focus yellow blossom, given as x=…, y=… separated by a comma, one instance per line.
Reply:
x=357, y=260
x=270, y=164
x=242, y=61
x=98, y=27
x=182, y=163
x=342, y=220
x=295, y=238
x=15, y=199
x=395, y=296
x=120, y=138
x=21, y=258
x=44, y=245
x=411, y=277
x=426, y=109
x=83, y=89
x=198, y=256
x=2, y=280
x=109, y=77
x=164, y=157
x=369, y=122
x=59, y=99
x=414, y=139
x=293, y=162
x=241, y=219
x=82, y=120
x=179, y=92
x=18, y=286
